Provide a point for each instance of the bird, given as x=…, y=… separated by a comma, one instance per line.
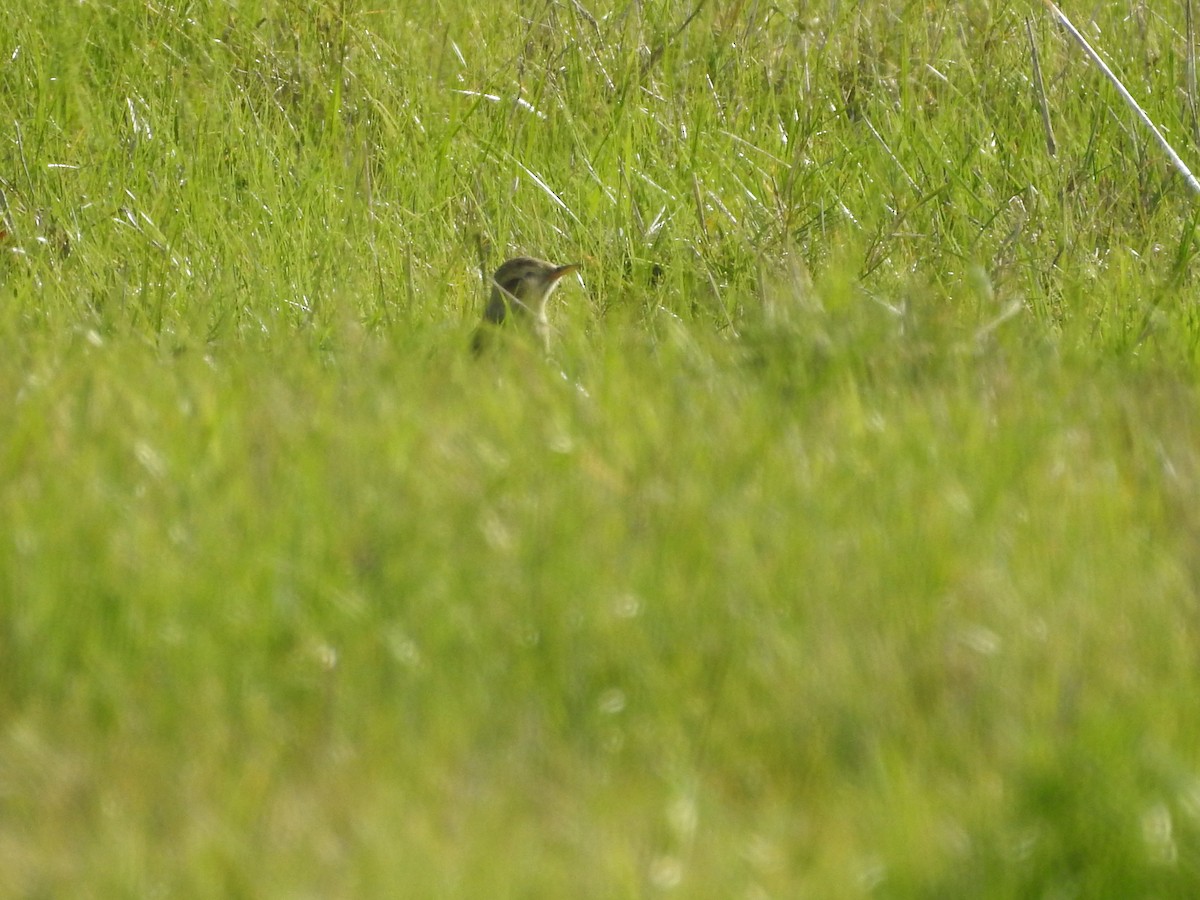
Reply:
x=520, y=289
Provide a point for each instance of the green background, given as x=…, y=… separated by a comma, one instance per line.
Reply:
x=846, y=543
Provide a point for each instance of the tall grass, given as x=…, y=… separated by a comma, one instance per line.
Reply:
x=844, y=545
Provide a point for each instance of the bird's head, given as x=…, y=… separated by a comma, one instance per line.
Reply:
x=530, y=281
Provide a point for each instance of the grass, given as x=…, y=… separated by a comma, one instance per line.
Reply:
x=844, y=546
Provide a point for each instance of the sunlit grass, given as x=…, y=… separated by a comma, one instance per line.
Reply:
x=843, y=545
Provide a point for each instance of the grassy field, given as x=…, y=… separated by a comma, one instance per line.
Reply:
x=847, y=543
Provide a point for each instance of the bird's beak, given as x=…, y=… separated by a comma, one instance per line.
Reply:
x=559, y=271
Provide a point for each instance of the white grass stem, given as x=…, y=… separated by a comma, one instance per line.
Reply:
x=1179, y=164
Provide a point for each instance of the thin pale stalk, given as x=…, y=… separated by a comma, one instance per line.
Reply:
x=1179, y=164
